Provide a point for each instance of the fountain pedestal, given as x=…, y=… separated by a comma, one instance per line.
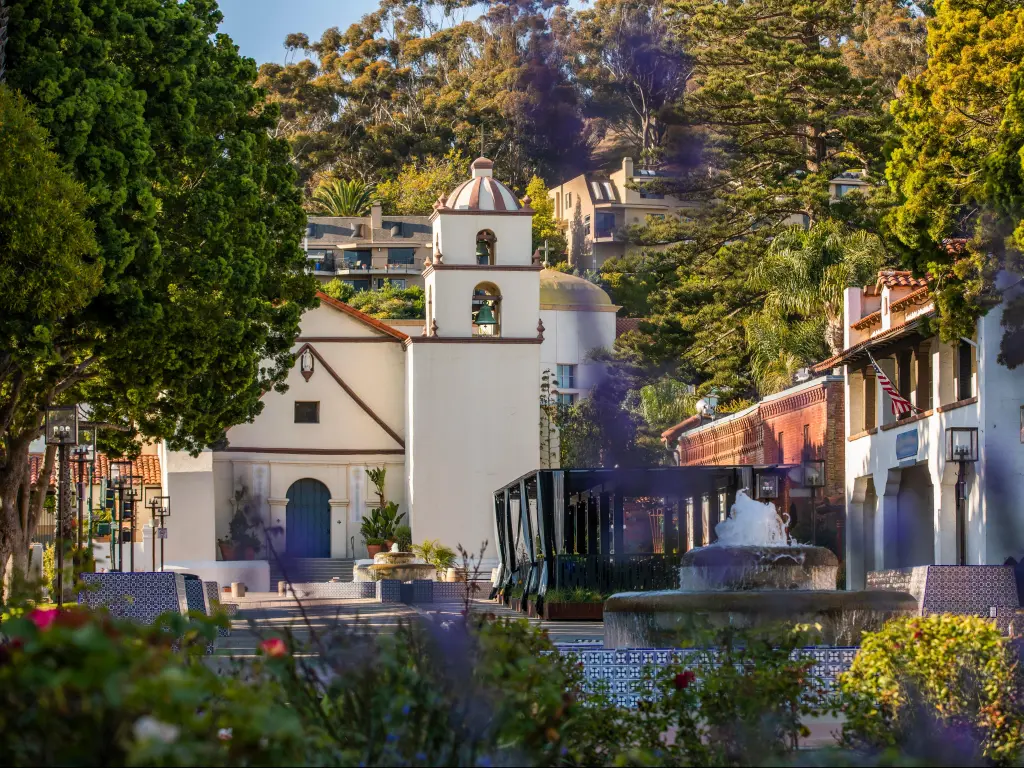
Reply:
x=751, y=577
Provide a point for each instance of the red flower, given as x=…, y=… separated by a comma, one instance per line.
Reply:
x=918, y=635
x=683, y=679
x=274, y=647
x=43, y=617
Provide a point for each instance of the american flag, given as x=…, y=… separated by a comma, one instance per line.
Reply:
x=900, y=404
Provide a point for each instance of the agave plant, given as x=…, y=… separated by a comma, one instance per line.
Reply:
x=338, y=197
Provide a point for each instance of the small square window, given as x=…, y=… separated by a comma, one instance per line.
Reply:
x=307, y=412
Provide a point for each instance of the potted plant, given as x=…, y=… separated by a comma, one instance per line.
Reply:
x=374, y=545
x=241, y=543
x=433, y=552
x=403, y=538
x=227, y=548
x=577, y=604
x=101, y=525
x=384, y=519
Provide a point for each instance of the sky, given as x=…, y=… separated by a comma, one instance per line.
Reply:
x=258, y=27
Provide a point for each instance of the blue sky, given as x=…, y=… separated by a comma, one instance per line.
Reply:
x=258, y=27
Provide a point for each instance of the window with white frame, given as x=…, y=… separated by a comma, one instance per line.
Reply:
x=565, y=376
x=566, y=398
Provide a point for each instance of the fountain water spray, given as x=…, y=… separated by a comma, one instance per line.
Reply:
x=752, y=524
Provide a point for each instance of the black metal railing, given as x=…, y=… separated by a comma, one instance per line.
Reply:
x=615, y=573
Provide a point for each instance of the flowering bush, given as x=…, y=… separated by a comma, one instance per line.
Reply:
x=945, y=681
x=77, y=687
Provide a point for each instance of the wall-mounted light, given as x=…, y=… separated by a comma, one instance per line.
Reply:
x=767, y=486
x=962, y=444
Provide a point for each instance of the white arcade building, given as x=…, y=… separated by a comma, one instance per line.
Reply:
x=452, y=411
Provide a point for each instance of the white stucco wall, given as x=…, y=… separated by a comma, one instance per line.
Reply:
x=456, y=233
x=452, y=291
x=995, y=523
x=472, y=426
x=569, y=337
x=191, y=526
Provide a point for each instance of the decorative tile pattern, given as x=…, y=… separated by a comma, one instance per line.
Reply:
x=422, y=591
x=195, y=595
x=621, y=670
x=341, y=590
x=212, y=602
x=449, y=591
x=389, y=590
x=138, y=596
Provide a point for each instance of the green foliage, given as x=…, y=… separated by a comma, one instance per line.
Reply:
x=392, y=303
x=957, y=170
x=663, y=403
x=339, y=197
x=574, y=595
x=79, y=687
x=403, y=538
x=434, y=553
x=419, y=184
x=42, y=221
x=242, y=532
x=339, y=290
x=197, y=221
x=545, y=228
x=50, y=568
x=945, y=673
x=383, y=522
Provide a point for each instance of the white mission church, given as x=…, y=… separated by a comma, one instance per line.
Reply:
x=450, y=408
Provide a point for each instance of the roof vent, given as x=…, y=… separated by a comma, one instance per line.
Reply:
x=396, y=230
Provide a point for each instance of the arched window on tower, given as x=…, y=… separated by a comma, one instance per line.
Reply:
x=486, y=244
x=486, y=310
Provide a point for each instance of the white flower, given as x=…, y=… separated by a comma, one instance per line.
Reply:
x=224, y=734
x=150, y=729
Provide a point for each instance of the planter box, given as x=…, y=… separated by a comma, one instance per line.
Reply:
x=515, y=603
x=574, y=611
x=531, y=608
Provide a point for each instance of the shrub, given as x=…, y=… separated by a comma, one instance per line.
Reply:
x=403, y=538
x=946, y=673
x=432, y=551
x=77, y=687
x=573, y=595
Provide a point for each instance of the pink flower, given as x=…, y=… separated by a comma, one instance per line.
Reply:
x=43, y=617
x=274, y=647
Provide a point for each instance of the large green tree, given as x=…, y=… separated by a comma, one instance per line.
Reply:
x=771, y=114
x=197, y=222
x=957, y=171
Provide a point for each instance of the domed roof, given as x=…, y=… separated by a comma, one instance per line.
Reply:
x=559, y=290
x=482, y=192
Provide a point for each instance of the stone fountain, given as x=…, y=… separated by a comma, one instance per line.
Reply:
x=404, y=566
x=753, y=575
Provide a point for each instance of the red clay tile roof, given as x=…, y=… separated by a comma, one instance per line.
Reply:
x=146, y=465
x=672, y=433
x=895, y=278
x=847, y=354
x=867, y=321
x=361, y=316
x=914, y=297
x=626, y=324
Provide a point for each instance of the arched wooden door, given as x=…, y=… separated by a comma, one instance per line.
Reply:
x=308, y=519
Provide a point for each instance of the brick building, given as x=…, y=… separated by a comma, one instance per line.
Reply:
x=801, y=424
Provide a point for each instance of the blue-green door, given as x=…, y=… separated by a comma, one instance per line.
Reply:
x=308, y=519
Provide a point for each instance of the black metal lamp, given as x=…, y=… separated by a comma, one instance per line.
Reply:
x=61, y=425
x=814, y=474
x=767, y=486
x=961, y=447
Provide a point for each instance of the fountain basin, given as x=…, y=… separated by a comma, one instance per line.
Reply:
x=404, y=566
x=673, y=619
x=737, y=568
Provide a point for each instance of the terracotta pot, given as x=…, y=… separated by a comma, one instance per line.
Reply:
x=250, y=553
x=228, y=550
x=373, y=549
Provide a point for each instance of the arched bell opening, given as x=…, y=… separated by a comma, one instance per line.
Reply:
x=486, y=310
x=486, y=247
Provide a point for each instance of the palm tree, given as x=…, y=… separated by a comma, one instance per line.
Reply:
x=778, y=349
x=806, y=272
x=338, y=197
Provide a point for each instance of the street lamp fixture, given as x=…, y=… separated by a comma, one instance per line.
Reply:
x=961, y=447
x=61, y=430
x=159, y=506
x=767, y=486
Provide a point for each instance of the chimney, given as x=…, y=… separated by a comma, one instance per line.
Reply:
x=376, y=212
x=627, y=167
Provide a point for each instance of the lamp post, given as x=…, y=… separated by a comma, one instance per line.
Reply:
x=128, y=509
x=961, y=447
x=85, y=453
x=159, y=506
x=814, y=477
x=62, y=431
x=120, y=471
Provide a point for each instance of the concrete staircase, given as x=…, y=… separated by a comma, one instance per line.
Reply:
x=303, y=570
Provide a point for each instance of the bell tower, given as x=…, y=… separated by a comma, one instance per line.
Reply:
x=482, y=281
x=472, y=378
